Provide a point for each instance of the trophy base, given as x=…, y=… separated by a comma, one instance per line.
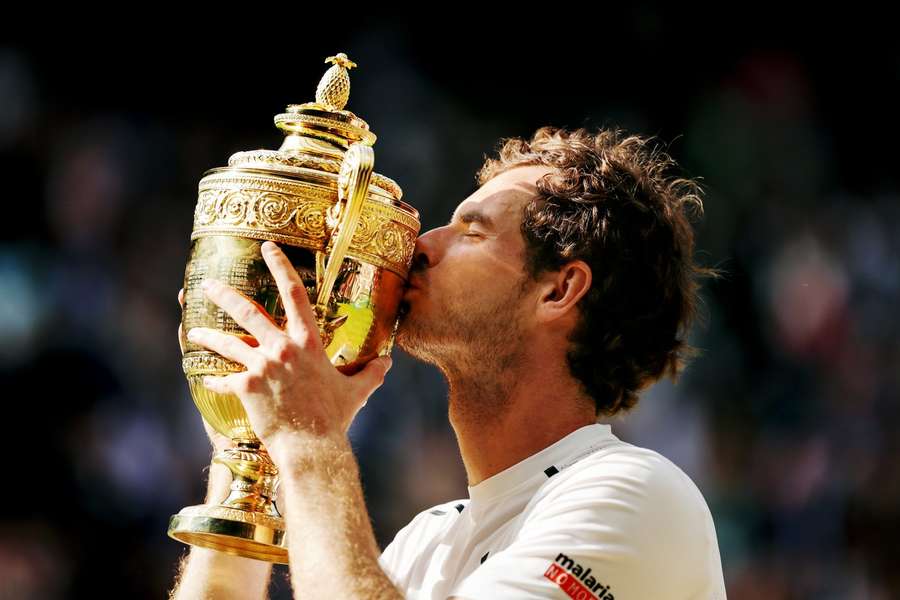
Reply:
x=232, y=531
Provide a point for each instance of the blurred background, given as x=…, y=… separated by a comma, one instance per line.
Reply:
x=788, y=422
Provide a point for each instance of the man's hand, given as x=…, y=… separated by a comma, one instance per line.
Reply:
x=290, y=387
x=206, y=573
x=301, y=406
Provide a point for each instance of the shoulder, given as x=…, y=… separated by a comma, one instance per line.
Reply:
x=421, y=533
x=621, y=522
x=430, y=521
x=432, y=518
x=623, y=470
x=631, y=496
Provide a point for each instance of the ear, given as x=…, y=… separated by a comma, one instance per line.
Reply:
x=563, y=289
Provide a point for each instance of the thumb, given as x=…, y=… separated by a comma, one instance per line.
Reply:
x=372, y=376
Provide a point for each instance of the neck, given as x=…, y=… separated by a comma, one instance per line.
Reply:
x=502, y=420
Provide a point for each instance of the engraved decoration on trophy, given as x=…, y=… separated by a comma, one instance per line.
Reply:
x=350, y=238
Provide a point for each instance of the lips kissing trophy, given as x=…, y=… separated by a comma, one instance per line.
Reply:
x=351, y=240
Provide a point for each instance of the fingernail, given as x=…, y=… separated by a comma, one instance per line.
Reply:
x=268, y=246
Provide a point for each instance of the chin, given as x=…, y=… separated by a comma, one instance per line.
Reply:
x=411, y=334
x=406, y=328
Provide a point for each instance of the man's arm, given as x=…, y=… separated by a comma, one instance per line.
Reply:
x=300, y=406
x=210, y=574
x=205, y=573
x=333, y=552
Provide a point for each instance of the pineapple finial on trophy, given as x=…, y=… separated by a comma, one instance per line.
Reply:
x=334, y=87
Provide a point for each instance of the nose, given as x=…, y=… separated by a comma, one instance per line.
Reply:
x=427, y=252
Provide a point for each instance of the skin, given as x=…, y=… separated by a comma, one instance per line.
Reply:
x=504, y=354
x=499, y=337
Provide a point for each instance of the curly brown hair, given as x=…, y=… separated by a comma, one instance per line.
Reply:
x=610, y=202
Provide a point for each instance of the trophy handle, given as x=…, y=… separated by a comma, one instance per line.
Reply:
x=353, y=187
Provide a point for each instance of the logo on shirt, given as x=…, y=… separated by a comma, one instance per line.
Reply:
x=576, y=581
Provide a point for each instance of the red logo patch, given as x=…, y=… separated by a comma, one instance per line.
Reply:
x=576, y=581
x=568, y=583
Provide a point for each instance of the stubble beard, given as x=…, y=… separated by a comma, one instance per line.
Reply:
x=477, y=345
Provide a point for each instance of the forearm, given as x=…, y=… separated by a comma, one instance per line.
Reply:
x=332, y=548
x=213, y=575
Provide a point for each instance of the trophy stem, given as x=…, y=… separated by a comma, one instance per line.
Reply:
x=255, y=477
x=247, y=523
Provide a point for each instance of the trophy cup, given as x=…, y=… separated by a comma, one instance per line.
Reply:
x=350, y=238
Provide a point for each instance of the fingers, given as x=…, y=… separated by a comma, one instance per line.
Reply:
x=245, y=313
x=372, y=376
x=301, y=321
x=221, y=384
x=229, y=346
x=246, y=337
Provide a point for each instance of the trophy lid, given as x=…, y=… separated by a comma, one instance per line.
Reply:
x=326, y=118
x=317, y=134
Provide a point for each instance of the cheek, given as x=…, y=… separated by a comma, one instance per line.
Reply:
x=464, y=280
x=476, y=289
x=474, y=273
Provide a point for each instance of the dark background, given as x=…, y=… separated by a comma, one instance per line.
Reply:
x=788, y=422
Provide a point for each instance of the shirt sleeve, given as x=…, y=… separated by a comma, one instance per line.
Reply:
x=393, y=560
x=415, y=542
x=627, y=527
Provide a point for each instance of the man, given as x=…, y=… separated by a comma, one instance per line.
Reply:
x=559, y=289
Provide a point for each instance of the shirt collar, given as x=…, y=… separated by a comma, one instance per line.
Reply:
x=559, y=452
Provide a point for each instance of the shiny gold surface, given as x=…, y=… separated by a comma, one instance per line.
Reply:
x=246, y=523
x=382, y=188
x=325, y=119
x=353, y=184
x=333, y=90
x=349, y=237
x=266, y=206
x=367, y=294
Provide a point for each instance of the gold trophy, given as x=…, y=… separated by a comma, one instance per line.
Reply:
x=351, y=240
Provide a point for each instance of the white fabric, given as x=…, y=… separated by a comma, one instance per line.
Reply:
x=614, y=521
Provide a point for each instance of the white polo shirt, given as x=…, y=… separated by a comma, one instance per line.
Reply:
x=590, y=517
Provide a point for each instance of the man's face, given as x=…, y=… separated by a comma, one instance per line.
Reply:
x=468, y=294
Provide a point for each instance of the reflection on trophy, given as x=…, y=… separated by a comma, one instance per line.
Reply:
x=350, y=239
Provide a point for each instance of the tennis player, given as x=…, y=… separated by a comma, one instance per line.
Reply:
x=559, y=290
